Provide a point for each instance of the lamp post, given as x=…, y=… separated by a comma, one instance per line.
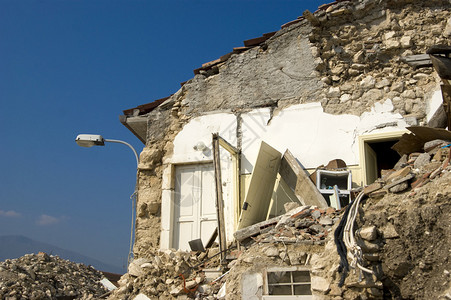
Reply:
x=89, y=140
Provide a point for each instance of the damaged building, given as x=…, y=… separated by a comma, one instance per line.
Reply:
x=261, y=152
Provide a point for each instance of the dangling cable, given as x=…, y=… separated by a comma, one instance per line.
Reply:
x=341, y=247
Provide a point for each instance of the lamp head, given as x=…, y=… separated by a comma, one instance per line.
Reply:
x=89, y=140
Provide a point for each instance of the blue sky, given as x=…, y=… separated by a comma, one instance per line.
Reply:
x=70, y=67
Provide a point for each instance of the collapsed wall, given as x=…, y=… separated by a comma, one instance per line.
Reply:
x=347, y=56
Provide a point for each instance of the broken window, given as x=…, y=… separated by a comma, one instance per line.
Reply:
x=293, y=283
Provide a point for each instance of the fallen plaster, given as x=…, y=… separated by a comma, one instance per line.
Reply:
x=252, y=286
x=433, y=104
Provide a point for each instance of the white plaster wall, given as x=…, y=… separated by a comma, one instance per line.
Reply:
x=313, y=136
x=433, y=103
x=252, y=286
x=254, y=127
x=200, y=129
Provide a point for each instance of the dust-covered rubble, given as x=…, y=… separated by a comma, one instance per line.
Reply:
x=402, y=231
x=43, y=276
x=177, y=274
x=413, y=170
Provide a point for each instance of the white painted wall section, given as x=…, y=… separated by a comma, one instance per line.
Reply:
x=200, y=129
x=313, y=136
x=433, y=103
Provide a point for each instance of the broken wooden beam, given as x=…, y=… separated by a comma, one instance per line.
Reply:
x=219, y=199
x=255, y=229
x=299, y=182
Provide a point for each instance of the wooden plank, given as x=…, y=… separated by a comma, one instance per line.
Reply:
x=407, y=144
x=236, y=162
x=219, y=199
x=418, y=60
x=212, y=239
x=263, y=178
x=299, y=182
x=427, y=134
x=446, y=94
x=226, y=145
x=242, y=234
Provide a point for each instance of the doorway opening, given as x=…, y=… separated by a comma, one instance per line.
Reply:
x=377, y=155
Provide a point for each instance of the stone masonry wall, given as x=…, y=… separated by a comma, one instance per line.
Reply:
x=348, y=56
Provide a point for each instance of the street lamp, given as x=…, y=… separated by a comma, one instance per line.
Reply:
x=89, y=140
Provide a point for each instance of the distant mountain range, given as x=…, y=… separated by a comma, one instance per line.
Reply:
x=15, y=246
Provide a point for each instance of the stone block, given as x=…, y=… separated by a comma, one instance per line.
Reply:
x=345, y=98
x=368, y=233
x=149, y=157
x=153, y=207
x=422, y=159
x=368, y=82
x=378, y=194
x=326, y=220
x=320, y=284
x=315, y=214
x=398, y=188
x=383, y=83
x=406, y=41
x=334, y=92
x=368, y=246
x=398, y=87
x=389, y=231
x=372, y=187
x=176, y=290
x=373, y=95
x=398, y=174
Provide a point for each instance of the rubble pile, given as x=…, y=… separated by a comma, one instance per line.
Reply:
x=167, y=274
x=304, y=224
x=401, y=232
x=413, y=170
x=180, y=274
x=44, y=276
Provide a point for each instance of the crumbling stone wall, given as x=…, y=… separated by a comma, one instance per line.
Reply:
x=359, y=52
x=347, y=56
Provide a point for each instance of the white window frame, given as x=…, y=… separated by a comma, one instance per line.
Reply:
x=285, y=297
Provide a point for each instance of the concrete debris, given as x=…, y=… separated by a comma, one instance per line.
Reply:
x=169, y=274
x=418, y=170
x=43, y=276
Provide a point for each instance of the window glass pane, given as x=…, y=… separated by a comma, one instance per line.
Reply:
x=279, y=277
x=280, y=290
x=302, y=289
x=301, y=276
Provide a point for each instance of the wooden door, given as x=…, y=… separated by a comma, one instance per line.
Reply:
x=194, y=209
